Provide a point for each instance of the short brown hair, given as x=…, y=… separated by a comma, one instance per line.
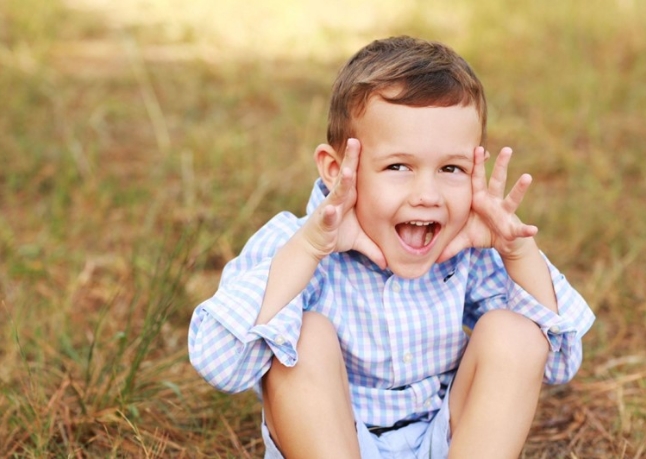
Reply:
x=428, y=73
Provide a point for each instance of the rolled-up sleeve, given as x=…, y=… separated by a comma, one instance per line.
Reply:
x=563, y=330
x=225, y=346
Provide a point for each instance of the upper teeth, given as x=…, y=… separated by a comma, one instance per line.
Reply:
x=421, y=223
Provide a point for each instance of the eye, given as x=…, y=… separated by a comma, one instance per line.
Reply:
x=398, y=167
x=452, y=169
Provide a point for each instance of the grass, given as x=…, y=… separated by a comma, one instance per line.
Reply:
x=139, y=152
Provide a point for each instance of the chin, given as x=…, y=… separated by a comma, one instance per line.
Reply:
x=410, y=271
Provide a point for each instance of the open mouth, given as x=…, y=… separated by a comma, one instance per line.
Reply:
x=417, y=234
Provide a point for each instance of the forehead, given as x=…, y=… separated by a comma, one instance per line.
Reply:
x=401, y=94
x=387, y=127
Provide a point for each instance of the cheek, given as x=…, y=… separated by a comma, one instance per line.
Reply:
x=461, y=206
x=366, y=208
x=363, y=200
x=373, y=211
x=367, y=196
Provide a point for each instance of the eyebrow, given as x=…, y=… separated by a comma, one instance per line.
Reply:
x=459, y=156
x=448, y=157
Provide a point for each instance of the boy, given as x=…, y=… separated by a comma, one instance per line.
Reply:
x=351, y=321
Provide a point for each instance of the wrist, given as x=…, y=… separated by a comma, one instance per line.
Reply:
x=522, y=248
x=527, y=267
x=305, y=244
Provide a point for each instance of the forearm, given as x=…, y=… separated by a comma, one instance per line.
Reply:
x=529, y=270
x=291, y=269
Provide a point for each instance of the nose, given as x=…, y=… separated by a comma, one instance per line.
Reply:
x=425, y=192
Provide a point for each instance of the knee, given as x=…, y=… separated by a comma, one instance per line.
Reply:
x=318, y=348
x=511, y=340
x=318, y=343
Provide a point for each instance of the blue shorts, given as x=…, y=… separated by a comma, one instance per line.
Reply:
x=423, y=439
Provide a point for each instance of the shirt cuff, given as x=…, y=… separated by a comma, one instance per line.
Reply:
x=280, y=333
x=572, y=321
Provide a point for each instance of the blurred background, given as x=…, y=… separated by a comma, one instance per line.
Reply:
x=142, y=143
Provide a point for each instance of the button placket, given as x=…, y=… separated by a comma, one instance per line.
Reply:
x=391, y=302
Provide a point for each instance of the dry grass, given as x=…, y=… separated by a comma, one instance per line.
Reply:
x=139, y=151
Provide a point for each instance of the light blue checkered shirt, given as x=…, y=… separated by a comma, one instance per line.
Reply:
x=402, y=338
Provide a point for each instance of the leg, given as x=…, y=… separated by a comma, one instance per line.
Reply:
x=495, y=391
x=307, y=407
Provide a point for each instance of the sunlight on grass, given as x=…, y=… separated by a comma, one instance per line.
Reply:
x=142, y=143
x=276, y=28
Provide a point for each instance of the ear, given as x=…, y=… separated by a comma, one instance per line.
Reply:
x=328, y=163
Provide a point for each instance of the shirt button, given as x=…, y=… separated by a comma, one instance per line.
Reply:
x=280, y=340
x=408, y=357
x=396, y=288
x=555, y=329
x=428, y=403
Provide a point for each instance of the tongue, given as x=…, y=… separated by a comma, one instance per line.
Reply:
x=413, y=235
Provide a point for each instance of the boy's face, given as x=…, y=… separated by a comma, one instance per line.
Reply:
x=414, y=179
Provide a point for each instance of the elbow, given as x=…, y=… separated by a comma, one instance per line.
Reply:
x=561, y=369
x=222, y=361
x=213, y=352
x=221, y=369
x=225, y=377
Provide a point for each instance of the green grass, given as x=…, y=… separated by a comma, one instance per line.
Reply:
x=138, y=152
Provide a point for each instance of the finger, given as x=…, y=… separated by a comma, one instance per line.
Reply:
x=517, y=193
x=523, y=231
x=350, y=161
x=498, y=178
x=510, y=234
x=518, y=229
x=529, y=231
x=329, y=218
x=479, y=176
x=345, y=181
x=343, y=185
x=351, y=156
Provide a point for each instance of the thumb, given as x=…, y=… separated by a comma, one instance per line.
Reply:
x=366, y=246
x=454, y=247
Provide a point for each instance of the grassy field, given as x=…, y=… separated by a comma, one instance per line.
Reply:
x=141, y=143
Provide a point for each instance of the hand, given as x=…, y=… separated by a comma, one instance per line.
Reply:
x=493, y=221
x=334, y=227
